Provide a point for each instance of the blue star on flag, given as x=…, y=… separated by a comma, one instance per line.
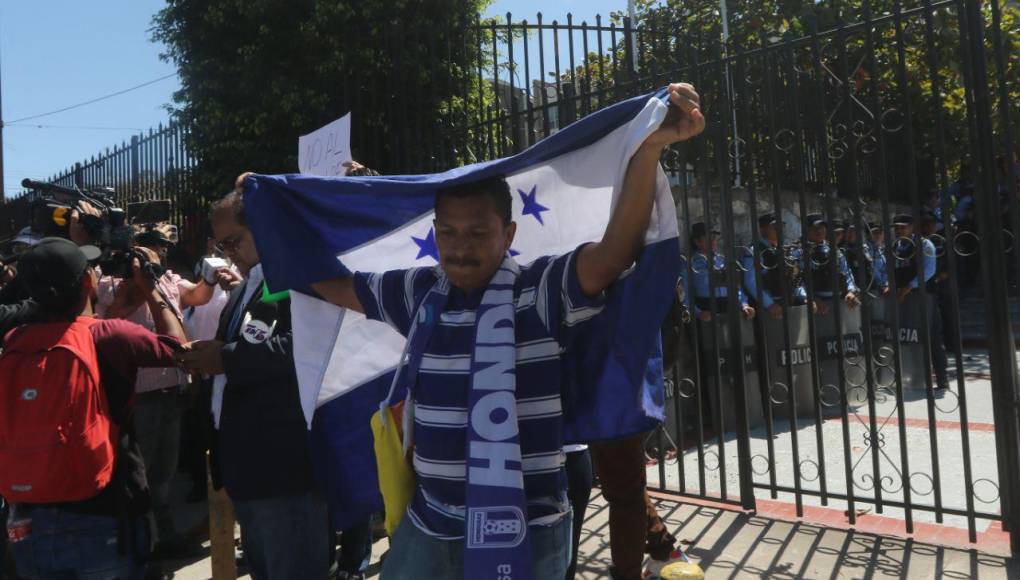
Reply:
x=427, y=246
x=514, y=253
x=531, y=205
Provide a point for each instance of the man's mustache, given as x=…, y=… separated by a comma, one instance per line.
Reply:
x=463, y=262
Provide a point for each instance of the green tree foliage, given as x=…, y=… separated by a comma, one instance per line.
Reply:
x=256, y=74
x=890, y=69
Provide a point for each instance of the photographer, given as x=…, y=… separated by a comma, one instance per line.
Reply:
x=89, y=517
x=16, y=306
x=158, y=408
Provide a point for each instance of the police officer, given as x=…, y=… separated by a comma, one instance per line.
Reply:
x=706, y=287
x=819, y=259
x=769, y=264
x=938, y=292
x=905, y=272
x=877, y=263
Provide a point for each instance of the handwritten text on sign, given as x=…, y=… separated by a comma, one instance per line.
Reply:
x=324, y=151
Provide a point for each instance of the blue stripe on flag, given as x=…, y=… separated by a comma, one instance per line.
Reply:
x=342, y=455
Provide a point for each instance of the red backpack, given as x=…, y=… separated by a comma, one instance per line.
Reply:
x=57, y=440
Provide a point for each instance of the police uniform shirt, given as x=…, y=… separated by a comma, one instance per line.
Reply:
x=699, y=280
x=771, y=266
x=818, y=261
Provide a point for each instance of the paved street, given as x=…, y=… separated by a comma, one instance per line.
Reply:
x=772, y=544
x=928, y=466
x=736, y=545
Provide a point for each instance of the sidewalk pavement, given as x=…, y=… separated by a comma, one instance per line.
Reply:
x=734, y=544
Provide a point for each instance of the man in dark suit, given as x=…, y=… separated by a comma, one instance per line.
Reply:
x=261, y=450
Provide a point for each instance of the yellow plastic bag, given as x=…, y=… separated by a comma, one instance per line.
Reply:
x=682, y=571
x=396, y=478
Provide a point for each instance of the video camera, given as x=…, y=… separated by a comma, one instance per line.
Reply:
x=50, y=215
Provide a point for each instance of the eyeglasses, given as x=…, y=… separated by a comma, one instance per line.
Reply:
x=229, y=243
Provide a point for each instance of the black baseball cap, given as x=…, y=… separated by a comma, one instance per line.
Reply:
x=816, y=219
x=700, y=229
x=903, y=219
x=838, y=226
x=767, y=219
x=53, y=266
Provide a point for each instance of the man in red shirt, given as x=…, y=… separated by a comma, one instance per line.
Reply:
x=108, y=533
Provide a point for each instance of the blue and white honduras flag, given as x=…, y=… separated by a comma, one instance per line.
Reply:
x=309, y=229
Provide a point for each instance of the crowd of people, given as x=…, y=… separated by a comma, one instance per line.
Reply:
x=103, y=377
x=96, y=372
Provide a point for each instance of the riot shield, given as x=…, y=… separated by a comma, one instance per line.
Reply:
x=786, y=362
x=830, y=358
x=718, y=379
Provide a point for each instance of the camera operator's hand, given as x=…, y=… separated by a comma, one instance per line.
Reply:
x=127, y=298
x=139, y=277
x=76, y=230
x=228, y=279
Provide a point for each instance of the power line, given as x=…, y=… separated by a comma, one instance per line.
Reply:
x=85, y=127
x=95, y=100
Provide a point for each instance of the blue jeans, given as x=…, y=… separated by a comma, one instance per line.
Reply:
x=415, y=554
x=63, y=545
x=285, y=537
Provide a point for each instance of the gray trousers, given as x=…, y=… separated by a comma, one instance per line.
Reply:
x=158, y=428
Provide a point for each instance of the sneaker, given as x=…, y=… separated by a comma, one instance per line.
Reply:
x=677, y=567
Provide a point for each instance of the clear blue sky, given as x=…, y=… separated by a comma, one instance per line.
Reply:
x=56, y=53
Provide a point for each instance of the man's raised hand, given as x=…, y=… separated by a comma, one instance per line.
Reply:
x=684, y=119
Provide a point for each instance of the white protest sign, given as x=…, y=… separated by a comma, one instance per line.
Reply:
x=324, y=151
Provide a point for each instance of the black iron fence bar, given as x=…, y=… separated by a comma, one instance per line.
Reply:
x=699, y=373
x=856, y=256
x=733, y=282
x=747, y=164
x=892, y=312
x=512, y=72
x=865, y=234
x=793, y=88
x=830, y=201
x=704, y=179
x=1009, y=370
x=919, y=258
x=784, y=280
x=1001, y=348
x=1009, y=147
x=532, y=137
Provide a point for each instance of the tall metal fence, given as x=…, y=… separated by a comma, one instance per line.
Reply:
x=828, y=396
x=151, y=166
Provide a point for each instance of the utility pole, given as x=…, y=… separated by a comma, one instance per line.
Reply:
x=3, y=187
x=633, y=25
x=729, y=86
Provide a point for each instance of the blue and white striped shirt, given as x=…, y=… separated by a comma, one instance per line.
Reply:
x=551, y=312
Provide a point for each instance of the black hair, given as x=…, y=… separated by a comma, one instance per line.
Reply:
x=495, y=188
x=61, y=303
x=233, y=202
x=363, y=172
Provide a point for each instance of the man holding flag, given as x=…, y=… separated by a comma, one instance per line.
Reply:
x=486, y=339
